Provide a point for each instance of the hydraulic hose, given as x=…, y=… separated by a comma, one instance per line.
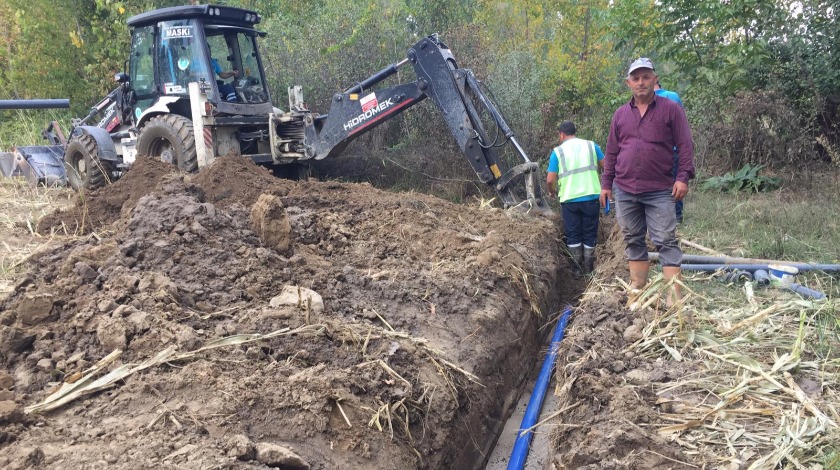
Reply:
x=523, y=439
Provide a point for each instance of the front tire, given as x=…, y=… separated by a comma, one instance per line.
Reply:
x=169, y=137
x=83, y=167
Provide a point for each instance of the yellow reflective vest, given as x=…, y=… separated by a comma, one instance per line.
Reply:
x=577, y=165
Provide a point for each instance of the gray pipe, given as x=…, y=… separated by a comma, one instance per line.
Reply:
x=753, y=267
x=761, y=277
x=729, y=260
x=34, y=104
x=802, y=290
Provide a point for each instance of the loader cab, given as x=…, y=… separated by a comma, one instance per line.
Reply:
x=172, y=47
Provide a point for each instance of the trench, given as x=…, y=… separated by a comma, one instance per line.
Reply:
x=540, y=451
x=504, y=440
x=519, y=366
x=466, y=430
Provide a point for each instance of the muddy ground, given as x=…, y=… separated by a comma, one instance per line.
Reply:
x=432, y=314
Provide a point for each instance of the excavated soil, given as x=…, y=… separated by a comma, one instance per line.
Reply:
x=426, y=320
x=430, y=320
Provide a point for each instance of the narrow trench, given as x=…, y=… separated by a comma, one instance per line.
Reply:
x=540, y=448
x=540, y=451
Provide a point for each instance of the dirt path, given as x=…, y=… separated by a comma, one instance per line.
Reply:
x=430, y=312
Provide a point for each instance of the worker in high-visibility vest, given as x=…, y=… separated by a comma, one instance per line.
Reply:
x=573, y=175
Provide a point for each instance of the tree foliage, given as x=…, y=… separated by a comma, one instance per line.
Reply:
x=542, y=60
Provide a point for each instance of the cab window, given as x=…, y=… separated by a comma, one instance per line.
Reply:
x=181, y=57
x=141, y=67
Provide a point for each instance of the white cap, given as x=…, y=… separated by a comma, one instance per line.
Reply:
x=640, y=63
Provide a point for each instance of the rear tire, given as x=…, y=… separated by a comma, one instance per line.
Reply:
x=169, y=137
x=83, y=167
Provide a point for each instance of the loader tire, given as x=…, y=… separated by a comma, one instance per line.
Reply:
x=169, y=137
x=83, y=167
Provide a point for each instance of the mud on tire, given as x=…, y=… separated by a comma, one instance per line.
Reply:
x=83, y=167
x=171, y=138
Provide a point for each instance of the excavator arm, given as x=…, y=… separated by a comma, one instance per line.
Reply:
x=456, y=92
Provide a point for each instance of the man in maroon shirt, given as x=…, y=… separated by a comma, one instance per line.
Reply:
x=639, y=165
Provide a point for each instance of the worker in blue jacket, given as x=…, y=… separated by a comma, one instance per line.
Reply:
x=673, y=96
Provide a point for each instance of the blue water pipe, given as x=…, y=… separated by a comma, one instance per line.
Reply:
x=760, y=275
x=753, y=267
x=802, y=290
x=523, y=439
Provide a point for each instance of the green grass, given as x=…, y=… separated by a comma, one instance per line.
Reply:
x=800, y=222
x=23, y=127
x=794, y=223
x=832, y=461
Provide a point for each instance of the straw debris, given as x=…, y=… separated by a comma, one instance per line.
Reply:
x=744, y=405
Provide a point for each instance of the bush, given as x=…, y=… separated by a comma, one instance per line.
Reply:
x=758, y=128
x=746, y=179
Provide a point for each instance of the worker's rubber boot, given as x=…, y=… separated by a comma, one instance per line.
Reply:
x=639, y=274
x=675, y=291
x=588, y=259
x=576, y=253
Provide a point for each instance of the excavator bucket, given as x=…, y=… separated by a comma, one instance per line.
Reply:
x=534, y=197
x=534, y=202
x=39, y=164
x=7, y=164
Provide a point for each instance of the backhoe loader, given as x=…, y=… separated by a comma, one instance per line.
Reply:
x=173, y=104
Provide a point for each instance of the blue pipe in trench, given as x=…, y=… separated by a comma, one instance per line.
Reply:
x=532, y=412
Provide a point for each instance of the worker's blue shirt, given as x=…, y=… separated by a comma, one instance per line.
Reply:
x=671, y=95
x=554, y=167
x=218, y=69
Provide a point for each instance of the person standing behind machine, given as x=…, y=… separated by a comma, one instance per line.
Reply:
x=573, y=175
x=673, y=96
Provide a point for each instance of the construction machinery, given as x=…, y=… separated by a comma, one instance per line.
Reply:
x=39, y=164
x=174, y=104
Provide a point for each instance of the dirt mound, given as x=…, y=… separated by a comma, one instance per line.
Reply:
x=101, y=208
x=609, y=389
x=429, y=324
x=604, y=385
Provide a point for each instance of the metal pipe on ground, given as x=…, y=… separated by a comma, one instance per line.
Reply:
x=35, y=104
x=753, y=267
x=735, y=261
x=523, y=440
x=759, y=274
